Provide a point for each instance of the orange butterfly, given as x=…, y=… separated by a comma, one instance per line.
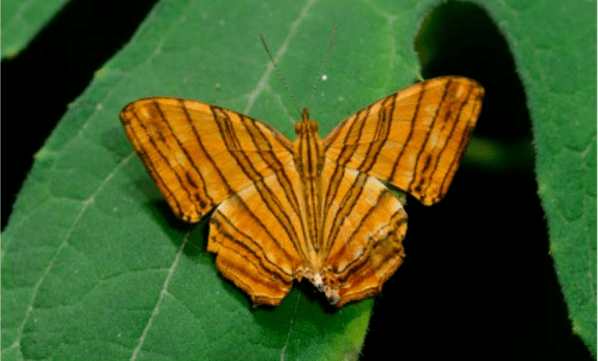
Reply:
x=312, y=207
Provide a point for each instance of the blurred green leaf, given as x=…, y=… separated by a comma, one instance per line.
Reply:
x=22, y=20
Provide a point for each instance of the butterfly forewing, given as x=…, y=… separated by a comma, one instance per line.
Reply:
x=200, y=154
x=413, y=139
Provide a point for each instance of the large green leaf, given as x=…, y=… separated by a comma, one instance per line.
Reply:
x=113, y=275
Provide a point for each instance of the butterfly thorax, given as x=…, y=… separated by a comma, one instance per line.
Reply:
x=308, y=154
x=308, y=149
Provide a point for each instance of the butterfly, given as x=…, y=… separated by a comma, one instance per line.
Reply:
x=310, y=208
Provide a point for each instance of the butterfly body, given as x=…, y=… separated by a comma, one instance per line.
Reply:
x=309, y=208
x=308, y=158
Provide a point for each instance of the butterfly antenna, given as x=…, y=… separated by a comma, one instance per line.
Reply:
x=313, y=90
x=280, y=76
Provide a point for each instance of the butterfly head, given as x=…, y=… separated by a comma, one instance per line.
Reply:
x=306, y=125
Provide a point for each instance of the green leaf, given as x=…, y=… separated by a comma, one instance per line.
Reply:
x=555, y=51
x=22, y=20
x=113, y=275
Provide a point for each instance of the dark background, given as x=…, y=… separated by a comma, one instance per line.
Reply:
x=477, y=282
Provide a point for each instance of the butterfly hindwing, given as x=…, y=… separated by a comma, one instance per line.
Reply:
x=259, y=236
x=364, y=227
